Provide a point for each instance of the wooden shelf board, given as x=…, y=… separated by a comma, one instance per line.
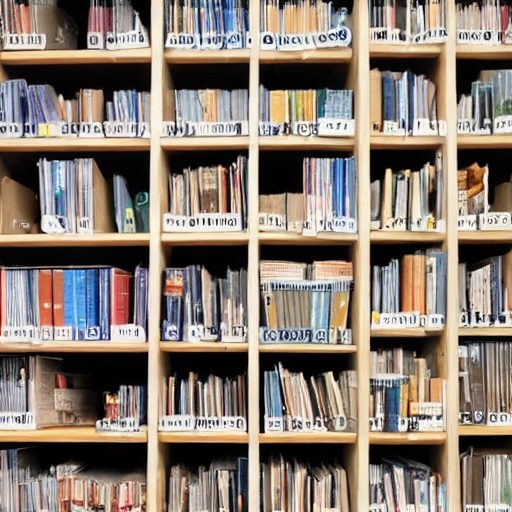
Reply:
x=71, y=435
x=74, y=346
x=203, y=143
x=485, y=331
x=391, y=237
x=490, y=237
x=484, y=430
x=203, y=437
x=405, y=51
x=484, y=141
x=238, y=238
x=99, y=239
x=403, y=142
x=407, y=438
x=22, y=58
x=73, y=144
x=412, y=332
x=482, y=52
x=296, y=142
x=308, y=437
x=202, y=346
x=206, y=56
x=308, y=348
x=324, y=56
x=285, y=238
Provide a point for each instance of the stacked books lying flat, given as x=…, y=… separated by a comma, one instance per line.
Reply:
x=475, y=212
x=484, y=22
x=204, y=403
x=115, y=25
x=222, y=485
x=36, y=392
x=37, y=111
x=94, y=303
x=409, y=200
x=485, y=292
x=75, y=198
x=411, y=293
x=323, y=112
x=199, y=307
x=209, y=198
x=327, y=203
x=485, y=478
x=484, y=377
x=303, y=303
x=28, y=484
x=404, y=395
x=209, y=112
x=195, y=25
x=403, y=104
x=403, y=484
x=487, y=110
x=291, y=484
x=315, y=403
x=402, y=21
x=303, y=25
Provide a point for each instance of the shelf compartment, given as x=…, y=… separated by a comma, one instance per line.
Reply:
x=73, y=144
x=201, y=346
x=480, y=52
x=483, y=141
x=307, y=348
x=285, y=238
x=207, y=56
x=99, y=239
x=74, y=57
x=490, y=237
x=412, y=332
x=204, y=437
x=71, y=435
x=484, y=430
x=405, y=51
x=404, y=142
x=485, y=331
x=407, y=438
x=74, y=346
x=392, y=237
x=239, y=238
x=308, y=437
x=319, y=56
x=296, y=142
x=203, y=143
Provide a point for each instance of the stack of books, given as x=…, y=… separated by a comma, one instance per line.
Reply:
x=124, y=409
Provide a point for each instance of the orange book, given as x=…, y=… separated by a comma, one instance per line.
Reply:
x=45, y=297
x=436, y=389
x=407, y=283
x=278, y=106
x=418, y=284
x=25, y=19
x=58, y=297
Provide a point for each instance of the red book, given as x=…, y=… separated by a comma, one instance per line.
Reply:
x=58, y=297
x=120, y=281
x=45, y=298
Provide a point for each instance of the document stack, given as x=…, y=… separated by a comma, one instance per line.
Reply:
x=115, y=25
x=315, y=403
x=485, y=478
x=404, y=104
x=199, y=307
x=28, y=484
x=327, y=203
x=306, y=112
x=408, y=200
x=410, y=293
x=220, y=486
x=485, y=292
x=407, y=21
x=483, y=22
x=132, y=216
x=404, y=394
x=305, y=303
x=125, y=409
x=209, y=112
x=290, y=483
x=209, y=198
x=195, y=25
x=204, y=403
x=76, y=303
x=36, y=25
x=403, y=484
x=303, y=25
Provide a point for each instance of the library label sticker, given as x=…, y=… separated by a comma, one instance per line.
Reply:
x=386, y=35
x=339, y=224
x=27, y=333
x=53, y=224
x=121, y=129
x=503, y=124
x=377, y=424
x=295, y=42
x=392, y=128
x=467, y=223
x=233, y=334
x=395, y=224
x=495, y=221
x=331, y=127
x=395, y=320
x=223, y=423
x=212, y=41
x=378, y=507
x=334, y=38
x=17, y=421
x=499, y=418
x=10, y=130
x=465, y=126
x=119, y=425
x=271, y=222
x=425, y=127
x=95, y=41
x=84, y=226
x=177, y=423
x=24, y=41
x=127, y=40
x=434, y=35
x=46, y=333
x=127, y=332
x=63, y=333
x=304, y=128
x=497, y=507
x=268, y=129
x=474, y=508
x=90, y=129
x=432, y=321
x=182, y=41
x=326, y=336
x=274, y=424
x=268, y=41
x=200, y=332
x=487, y=37
x=202, y=222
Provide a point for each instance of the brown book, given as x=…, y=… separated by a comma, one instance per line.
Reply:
x=58, y=297
x=45, y=297
x=278, y=101
x=436, y=389
x=294, y=212
x=406, y=283
x=503, y=197
x=103, y=205
x=19, y=210
x=376, y=100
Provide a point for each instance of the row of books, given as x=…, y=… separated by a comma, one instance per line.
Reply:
x=37, y=111
x=29, y=483
x=73, y=303
x=199, y=307
x=410, y=292
x=298, y=403
x=409, y=200
x=484, y=383
x=304, y=303
x=327, y=202
x=404, y=394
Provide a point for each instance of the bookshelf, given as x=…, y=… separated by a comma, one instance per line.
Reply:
x=442, y=448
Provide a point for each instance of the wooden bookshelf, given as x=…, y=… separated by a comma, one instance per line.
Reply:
x=483, y=141
x=96, y=240
x=203, y=437
x=298, y=143
x=203, y=346
x=307, y=348
x=407, y=438
x=205, y=238
x=203, y=143
x=320, y=56
x=410, y=332
x=400, y=142
x=405, y=51
x=485, y=331
x=286, y=238
x=206, y=56
x=405, y=237
x=72, y=144
x=308, y=437
x=484, y=430
x=71, y=347
x=475, y=52
x=488, y=237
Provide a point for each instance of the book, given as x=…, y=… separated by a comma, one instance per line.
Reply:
x=124, y=409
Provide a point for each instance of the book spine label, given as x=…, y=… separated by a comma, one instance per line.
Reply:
x=119, y=425
x=487, y=37
x=325, y=336
x=24, y=41
x=127, y=332
x=17, y=421
x=221, y=222
x=127, y=40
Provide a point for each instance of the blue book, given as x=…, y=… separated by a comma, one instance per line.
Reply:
x=70, y=319
x=92, y=302
x=388, y=97
x=343, y=178
x=79, y=285
x=104, y=303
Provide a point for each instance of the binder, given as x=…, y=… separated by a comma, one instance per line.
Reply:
x=102, y=197
x=18, y=208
